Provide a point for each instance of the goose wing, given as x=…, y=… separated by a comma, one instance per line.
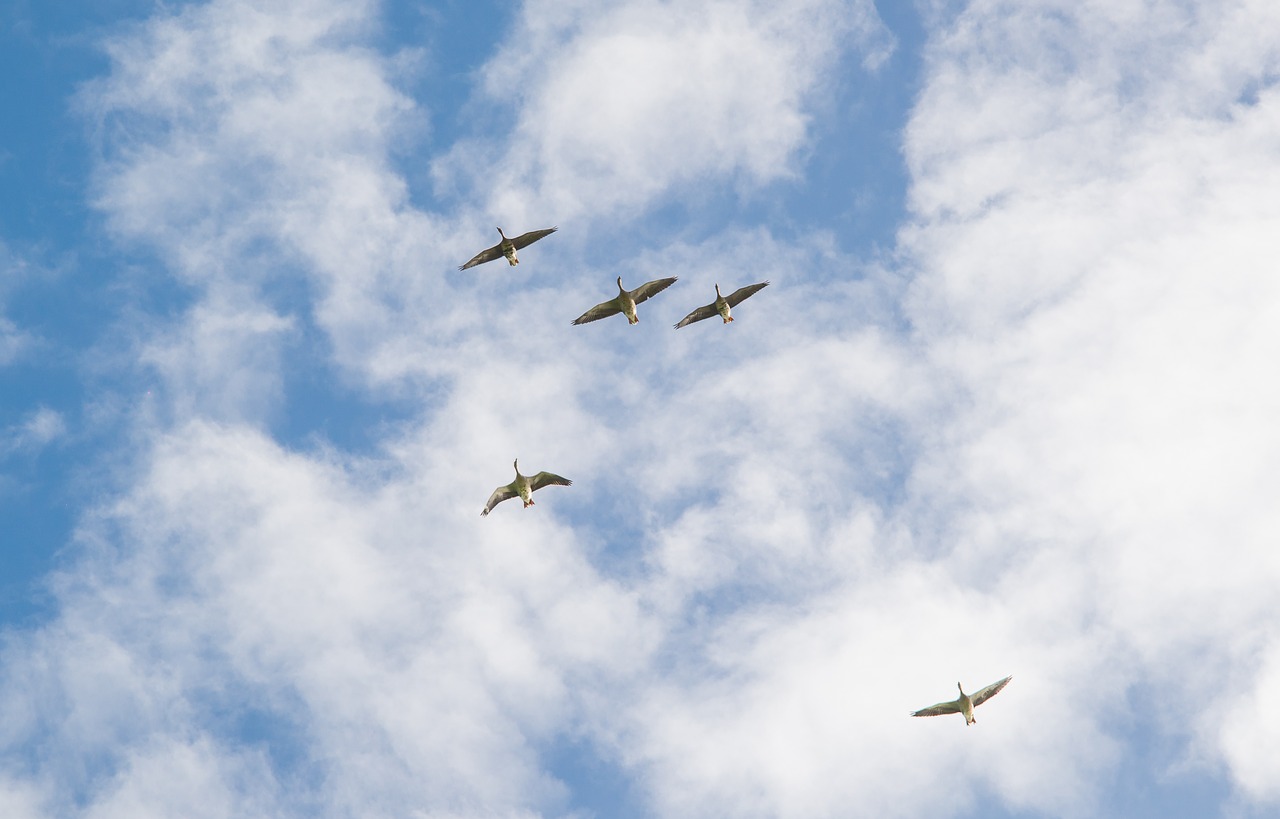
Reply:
x=487, y=255
x=744, y=293
x=602, y=310
x=499, y=495
x=990, y=691
x=548, y=479
x=698, y=315
x=652, y=288
x=952, y=707
x=526, y=239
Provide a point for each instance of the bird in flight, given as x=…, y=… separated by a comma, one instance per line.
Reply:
x=508, y=247
x=965, y=703
x=523, y=487
x=723, y=304
x=625, y=302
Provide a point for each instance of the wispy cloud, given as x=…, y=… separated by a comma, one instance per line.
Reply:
x=40, y=428
x=13, y=339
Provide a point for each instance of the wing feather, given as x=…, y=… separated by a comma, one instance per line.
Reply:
x=602, y=310
x=698, y=315
x=548, y=479
x=652, y=288
x=990, y=691
x=952, y=707
x=483, y=256
x=526, y=239
x=499, y=495
x=744, y=293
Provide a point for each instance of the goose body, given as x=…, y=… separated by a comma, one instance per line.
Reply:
x=965, y=703
x=508, y=247
x=723, y=304
x=523, y=487
x=625, y=302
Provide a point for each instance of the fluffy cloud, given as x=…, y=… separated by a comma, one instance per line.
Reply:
x=274, y=627
x=1094, y=248
x=620, y=102
x=784, y=534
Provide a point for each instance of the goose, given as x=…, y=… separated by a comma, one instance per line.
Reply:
x=965, y=703
x=625, y=302
x=523, y=486
x=722, y=304
x=508, y=247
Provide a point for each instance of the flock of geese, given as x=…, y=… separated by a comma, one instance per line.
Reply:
x=625, y=303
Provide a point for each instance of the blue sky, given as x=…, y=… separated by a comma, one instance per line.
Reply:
x=1007, y=407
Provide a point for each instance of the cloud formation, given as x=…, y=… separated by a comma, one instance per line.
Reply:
x=1036, y=440
x=621, y=103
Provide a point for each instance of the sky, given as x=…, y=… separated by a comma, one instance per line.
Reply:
x=1008, y=407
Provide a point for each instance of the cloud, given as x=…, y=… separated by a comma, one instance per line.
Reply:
x=1096, y=282
x=272, y=594
x=1036, y=440
x=619, y=104
x=13, y=340
x=248, y=149
x=223, y=360
x=41, y=427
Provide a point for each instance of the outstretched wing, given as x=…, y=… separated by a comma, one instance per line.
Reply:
x=990, y=691
x=526, y=239
x=652, y=288
x=698, y=315
x=602, y=310
x=547, y=479
x=499, y=495
x=483, y=256
x=744, y=293
x=952, y=707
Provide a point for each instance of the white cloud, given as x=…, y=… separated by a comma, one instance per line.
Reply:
x=784, y=534
x=223, y=360
x=242, y=586
x=40, y=428
x=1094, y=241
x=620, y=103
x=19, y=799
x=249, y=148
x=13, y=340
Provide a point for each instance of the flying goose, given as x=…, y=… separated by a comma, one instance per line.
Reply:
x=722, y=304
x=625, y=302
x=965, y=704
x=508, y=247
x=524, y=487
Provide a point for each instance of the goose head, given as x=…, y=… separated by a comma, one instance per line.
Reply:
x=516, y=465
x=621, y=289
x=718, y=292
x=500, y=233
x=961, y=689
